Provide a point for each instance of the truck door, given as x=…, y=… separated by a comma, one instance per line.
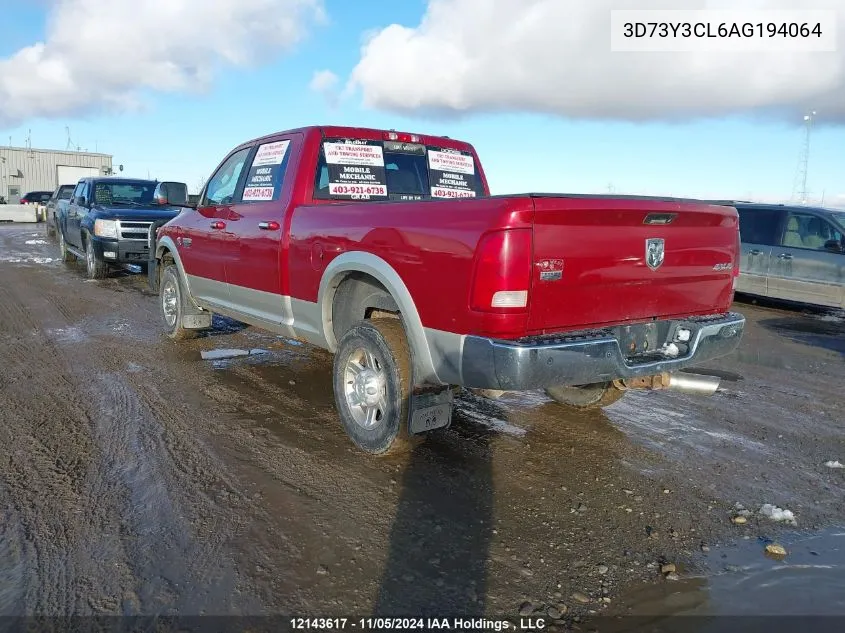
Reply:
x=759, y=230
x=75, y=213
x=802, y=267
x=255, y=231
x=203, y=232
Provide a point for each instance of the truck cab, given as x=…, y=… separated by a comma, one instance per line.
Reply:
x=106, y=222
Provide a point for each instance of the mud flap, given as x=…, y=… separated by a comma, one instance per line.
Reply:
x=198, y=321
x=430, y=408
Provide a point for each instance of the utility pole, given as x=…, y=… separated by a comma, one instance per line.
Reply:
x=800, y=186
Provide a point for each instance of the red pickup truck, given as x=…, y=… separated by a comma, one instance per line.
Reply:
x=386, y=249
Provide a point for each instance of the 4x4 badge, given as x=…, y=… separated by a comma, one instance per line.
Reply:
x=655, y=252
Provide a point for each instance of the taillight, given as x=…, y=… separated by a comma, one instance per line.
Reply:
x=737, y=258
x=502, y=272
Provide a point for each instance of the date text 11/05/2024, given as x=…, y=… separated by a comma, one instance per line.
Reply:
x=417, y=624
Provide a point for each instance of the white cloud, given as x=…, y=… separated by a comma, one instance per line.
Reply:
x=553, y=56
x=323, y=81
x=102, y=54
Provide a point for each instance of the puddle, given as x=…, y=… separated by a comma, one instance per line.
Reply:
x=659, y=423
x=740, y=580
x=485, y=413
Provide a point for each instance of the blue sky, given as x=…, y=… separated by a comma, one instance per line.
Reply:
x=183, y=135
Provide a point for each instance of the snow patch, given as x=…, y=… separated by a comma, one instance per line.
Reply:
x=778, y=514
x=27, y=260
x=834, y=464
x=221, y=354
x=36, y=242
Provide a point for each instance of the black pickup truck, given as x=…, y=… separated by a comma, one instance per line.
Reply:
x=107, y=220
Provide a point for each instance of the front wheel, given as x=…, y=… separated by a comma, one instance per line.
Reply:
x=96, y=268
x=67, y=256
x=582, y=397
x=173, y=301
x=372, y=386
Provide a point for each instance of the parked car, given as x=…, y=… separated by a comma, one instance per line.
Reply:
x=107, y=220
x=36, y=197
x=792, y=253
x=387, y=249
x=61, y=195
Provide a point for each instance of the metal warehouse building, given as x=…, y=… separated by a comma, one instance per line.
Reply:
x=24, y=169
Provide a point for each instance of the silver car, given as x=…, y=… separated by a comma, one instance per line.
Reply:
x=793, y=253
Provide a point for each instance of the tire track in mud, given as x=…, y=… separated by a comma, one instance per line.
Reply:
x=92, y=521
x=174, y=571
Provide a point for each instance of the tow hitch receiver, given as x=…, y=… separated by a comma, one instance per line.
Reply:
x=694, y=384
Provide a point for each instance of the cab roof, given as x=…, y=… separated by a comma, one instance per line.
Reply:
x=364, y=133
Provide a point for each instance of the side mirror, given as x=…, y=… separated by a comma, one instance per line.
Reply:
x=833, y=245
x=81, y=201
x=172, y=193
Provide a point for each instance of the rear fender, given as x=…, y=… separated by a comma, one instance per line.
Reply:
x=358, y=261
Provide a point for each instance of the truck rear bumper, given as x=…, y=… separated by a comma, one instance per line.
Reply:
x=593, y=356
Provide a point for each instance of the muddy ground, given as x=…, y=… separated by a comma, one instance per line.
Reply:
x=137, y=478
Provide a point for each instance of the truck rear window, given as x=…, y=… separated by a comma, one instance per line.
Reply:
x=352, y=169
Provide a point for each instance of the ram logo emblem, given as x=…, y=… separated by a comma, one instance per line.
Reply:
x=655, y=252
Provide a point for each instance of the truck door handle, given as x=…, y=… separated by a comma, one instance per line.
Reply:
x=784, y=256
x=755, y=252
x=218, y=225
x=268, y=226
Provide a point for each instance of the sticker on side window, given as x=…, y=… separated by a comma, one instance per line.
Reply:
x=263, y=177
x=356, y=169
x=451, y=174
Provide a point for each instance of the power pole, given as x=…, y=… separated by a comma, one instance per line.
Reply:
x=800, y=186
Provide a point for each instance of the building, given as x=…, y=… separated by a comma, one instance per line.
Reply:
x=24, y=169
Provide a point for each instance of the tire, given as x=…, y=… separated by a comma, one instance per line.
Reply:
x=173, y=301
x=583, y=397
x=96, y=268
x=373, y=356
x=51, y=226
x=66, y=255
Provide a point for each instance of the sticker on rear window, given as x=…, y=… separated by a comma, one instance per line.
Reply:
x=263, y=177
x=451, y=174
x=355, y=170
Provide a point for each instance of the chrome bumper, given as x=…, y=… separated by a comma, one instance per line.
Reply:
x=587, y=357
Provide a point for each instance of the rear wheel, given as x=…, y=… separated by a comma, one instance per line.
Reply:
x=594, y=396
x=173, y=302
x=372, y=386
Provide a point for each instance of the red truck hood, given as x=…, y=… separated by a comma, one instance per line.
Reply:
x=618, y=263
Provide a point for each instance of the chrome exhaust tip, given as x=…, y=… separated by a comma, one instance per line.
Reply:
x=693, y=384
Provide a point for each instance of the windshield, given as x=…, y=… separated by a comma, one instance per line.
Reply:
x=351, y=169
x=839, y=216
x=132, y=193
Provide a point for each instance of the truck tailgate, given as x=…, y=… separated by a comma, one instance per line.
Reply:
x=602, y=247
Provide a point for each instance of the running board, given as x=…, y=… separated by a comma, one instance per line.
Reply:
x=72, y=249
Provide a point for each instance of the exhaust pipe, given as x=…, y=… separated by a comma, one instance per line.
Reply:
x=693, y=384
